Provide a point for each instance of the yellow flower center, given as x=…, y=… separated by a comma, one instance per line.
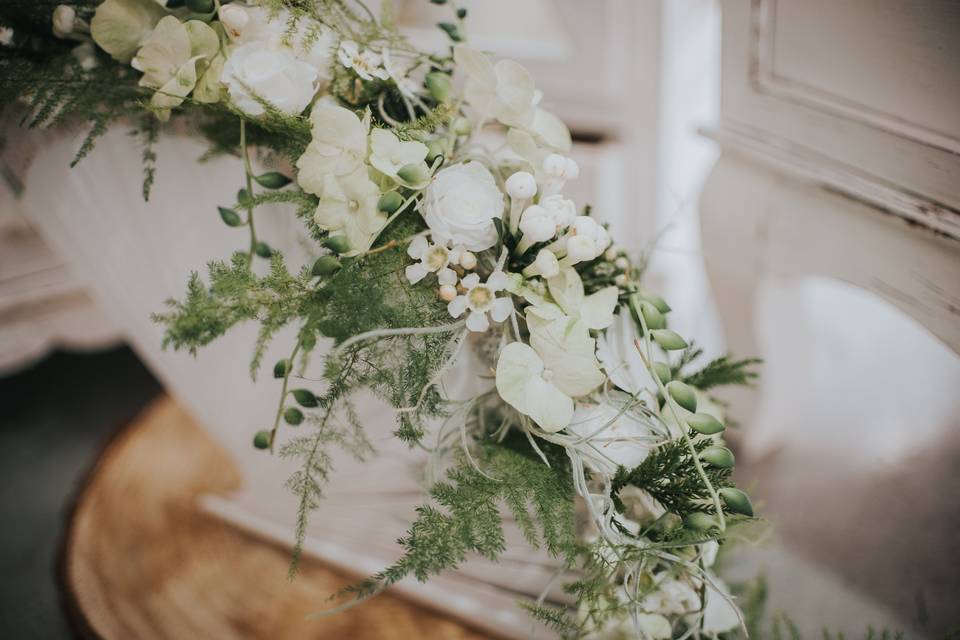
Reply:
x=436, y=258
x=354, y=205
x=480, y=297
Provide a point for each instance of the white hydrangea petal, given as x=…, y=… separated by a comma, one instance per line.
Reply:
x=416, y=272
x=447, y=276
x=567, y=289
x=517, y=366
x=457, y=306
x=597, y=308
x=477, y=321
x=501, y=309
x=470, y=280
x=547, y=405
x=569, y=352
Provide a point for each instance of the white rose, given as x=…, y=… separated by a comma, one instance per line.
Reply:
x=460, y=205
x=274, y=75
x=308, y=42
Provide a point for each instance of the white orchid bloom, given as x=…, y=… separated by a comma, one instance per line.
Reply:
x=480, y=299
x=367, y=64
x=405, y=85
x=120, y=27
x=505, y=91
x=348, y=207
x=432, y=258
x=169, y=59
x=338, y=147
x=389, y=155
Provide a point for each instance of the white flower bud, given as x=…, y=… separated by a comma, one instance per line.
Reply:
x=580, y=249
x=611, y=254
x=63, y=20
x=521, y=185
x=573, y=170
x=537, y=225
x=547, y=264
x=234, y=19
x=468, y=260
x=555, y=166
x=562, y=210
x=448, y=292
x=622, y=263
x=620, y=280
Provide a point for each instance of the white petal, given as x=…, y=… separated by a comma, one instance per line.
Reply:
x=497, y=281
x=418, y=247
x=569, y=352
x=501, y=309
x=447, y=276
x=548, y=406
x=477, y=321
x=567, y=289
x=471, y=280
x=416, y=272
x=597, y=309
x=517, y=365
x=457, y=306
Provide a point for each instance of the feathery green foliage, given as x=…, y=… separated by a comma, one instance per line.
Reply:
x=668, y=474
x=722, y=371
x=466, y=518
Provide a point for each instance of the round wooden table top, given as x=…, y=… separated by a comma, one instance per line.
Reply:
x=141, y=560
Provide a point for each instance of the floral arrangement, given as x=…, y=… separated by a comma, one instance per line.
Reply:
x=433, y=187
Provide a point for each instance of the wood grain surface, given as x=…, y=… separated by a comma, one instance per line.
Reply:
x=141, y=561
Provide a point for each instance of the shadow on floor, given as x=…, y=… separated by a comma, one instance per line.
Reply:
x=54, y=418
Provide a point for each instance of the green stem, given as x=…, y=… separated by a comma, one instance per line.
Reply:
x=283, y=396
x=249, y=178
x=677, y=415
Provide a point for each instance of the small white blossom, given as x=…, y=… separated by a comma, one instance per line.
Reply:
x=432, y=258
x=479, y=299
x=367, y=64
x=399, y=76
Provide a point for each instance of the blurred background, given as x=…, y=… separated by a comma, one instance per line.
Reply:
x=791, y=166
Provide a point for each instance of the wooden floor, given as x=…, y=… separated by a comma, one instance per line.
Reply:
x=141, y=561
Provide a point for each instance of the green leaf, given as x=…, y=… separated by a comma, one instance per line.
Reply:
x=261, y=440
x=683, y=395
x=663, y=371
x=704, y=423
x=263, y=250
x=668, y=339
x=737, y=501
x=293, y=416
x=699, y=521
x=652, y=316
x=230, y=217
x=305, y=398
x=326, y=266
x=719, y=457
x=272, y=180
x=451, y=30
x=282, y=367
